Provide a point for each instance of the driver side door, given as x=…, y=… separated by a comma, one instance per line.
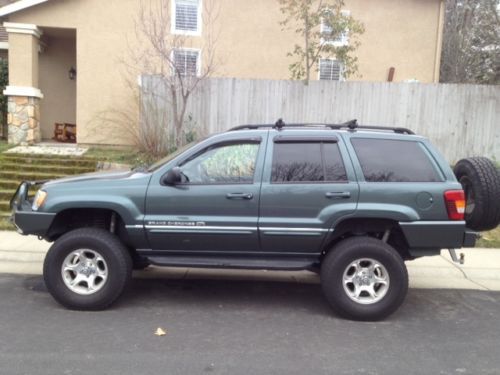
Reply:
x=214, y=207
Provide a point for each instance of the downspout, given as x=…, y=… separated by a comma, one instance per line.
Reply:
x=439, y=41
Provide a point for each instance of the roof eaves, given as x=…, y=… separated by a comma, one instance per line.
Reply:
x=19, y=5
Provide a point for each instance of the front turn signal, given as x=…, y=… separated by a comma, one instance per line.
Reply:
x=39, y=200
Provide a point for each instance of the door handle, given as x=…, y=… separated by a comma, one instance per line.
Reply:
x=338, y=194
x=239, y=195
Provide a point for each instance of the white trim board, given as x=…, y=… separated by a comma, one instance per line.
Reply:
x=19, y=5
x=22, y=28
x=23, y=91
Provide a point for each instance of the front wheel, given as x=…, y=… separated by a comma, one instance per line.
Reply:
x=87, y=269
x=364, y=278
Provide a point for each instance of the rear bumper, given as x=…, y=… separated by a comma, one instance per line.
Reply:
x=438, y=234
x=470, y=238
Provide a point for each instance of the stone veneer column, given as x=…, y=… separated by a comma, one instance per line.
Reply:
x=23, y=115
x=24, y=120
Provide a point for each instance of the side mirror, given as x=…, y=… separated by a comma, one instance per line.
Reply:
x=172, y=177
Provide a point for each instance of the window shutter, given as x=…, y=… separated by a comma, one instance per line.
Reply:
x=329, y=69
x=186, y=62
x=186, y=15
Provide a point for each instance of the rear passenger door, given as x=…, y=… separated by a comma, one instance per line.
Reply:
x=308, y=183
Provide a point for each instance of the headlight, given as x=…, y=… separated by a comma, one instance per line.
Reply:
x=39, y=200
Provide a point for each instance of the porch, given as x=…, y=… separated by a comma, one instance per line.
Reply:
x=42, y=83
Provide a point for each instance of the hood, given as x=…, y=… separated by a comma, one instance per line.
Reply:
x=115, y=175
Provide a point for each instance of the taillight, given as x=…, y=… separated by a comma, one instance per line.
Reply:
x=455, y=204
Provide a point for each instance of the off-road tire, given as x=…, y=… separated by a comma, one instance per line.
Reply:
x=115, y=254
x=348, y=251
x=480, y=180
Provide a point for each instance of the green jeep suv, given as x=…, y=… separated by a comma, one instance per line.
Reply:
x=350, y=202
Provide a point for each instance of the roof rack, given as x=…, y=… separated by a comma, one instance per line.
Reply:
x=351, y=125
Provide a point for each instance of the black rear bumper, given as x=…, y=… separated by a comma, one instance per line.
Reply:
x=470, y=238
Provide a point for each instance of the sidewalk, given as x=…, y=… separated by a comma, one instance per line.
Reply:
x=25, y=254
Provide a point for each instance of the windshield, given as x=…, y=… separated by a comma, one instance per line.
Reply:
x=169, y=157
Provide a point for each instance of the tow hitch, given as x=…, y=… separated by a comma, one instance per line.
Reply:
x=454, y=257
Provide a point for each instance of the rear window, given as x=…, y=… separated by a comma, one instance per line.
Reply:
x=307, y=162
x=385, y=160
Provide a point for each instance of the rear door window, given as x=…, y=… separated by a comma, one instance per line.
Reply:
x=388, y=160
x=307, y=162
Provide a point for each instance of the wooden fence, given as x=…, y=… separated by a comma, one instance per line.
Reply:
x=461, y=120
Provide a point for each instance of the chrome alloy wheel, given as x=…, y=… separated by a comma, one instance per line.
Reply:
x=84, y=271
x=366, y=281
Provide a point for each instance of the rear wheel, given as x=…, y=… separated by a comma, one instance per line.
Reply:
x=480, y=180
x=87, y=269
x=364, y=278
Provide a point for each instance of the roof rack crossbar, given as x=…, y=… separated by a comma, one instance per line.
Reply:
x=350, y=125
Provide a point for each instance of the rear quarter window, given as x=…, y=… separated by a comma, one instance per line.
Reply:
x=388, y=160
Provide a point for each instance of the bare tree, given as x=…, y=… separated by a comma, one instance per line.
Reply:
x=471, y=42
x=157, y=54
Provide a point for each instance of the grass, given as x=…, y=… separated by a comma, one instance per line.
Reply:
x=490, y=239
x=122, y=155
x=4, y=146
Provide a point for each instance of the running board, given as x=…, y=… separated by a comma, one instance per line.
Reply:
x=236, y=263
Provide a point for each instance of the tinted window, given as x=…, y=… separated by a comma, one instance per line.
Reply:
x=384, y=160
x=307, y=162
x=334, y=165
x=229, y=163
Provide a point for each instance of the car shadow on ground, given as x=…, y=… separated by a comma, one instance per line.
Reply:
x=285, y=297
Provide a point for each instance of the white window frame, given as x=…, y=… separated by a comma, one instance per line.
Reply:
x=341, y=70
x=344, y=38
x=173, y=30
x=198, y=61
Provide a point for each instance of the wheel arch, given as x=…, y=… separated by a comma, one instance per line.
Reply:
x=86, y=217
x=371, y=227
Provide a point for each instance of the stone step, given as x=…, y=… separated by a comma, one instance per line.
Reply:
x=48, y=160
x=63, y=169
x=6, y=194
x=6, y=184
x=5, y=223
x=4, y=206
x=20, y=176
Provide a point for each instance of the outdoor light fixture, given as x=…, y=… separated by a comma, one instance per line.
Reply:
x=72, y=73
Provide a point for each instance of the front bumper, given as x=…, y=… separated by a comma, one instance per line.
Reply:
x=23, y=217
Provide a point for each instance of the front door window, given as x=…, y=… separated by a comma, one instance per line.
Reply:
x=225, y=164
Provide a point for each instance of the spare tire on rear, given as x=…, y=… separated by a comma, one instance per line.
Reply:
x=480, y=180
